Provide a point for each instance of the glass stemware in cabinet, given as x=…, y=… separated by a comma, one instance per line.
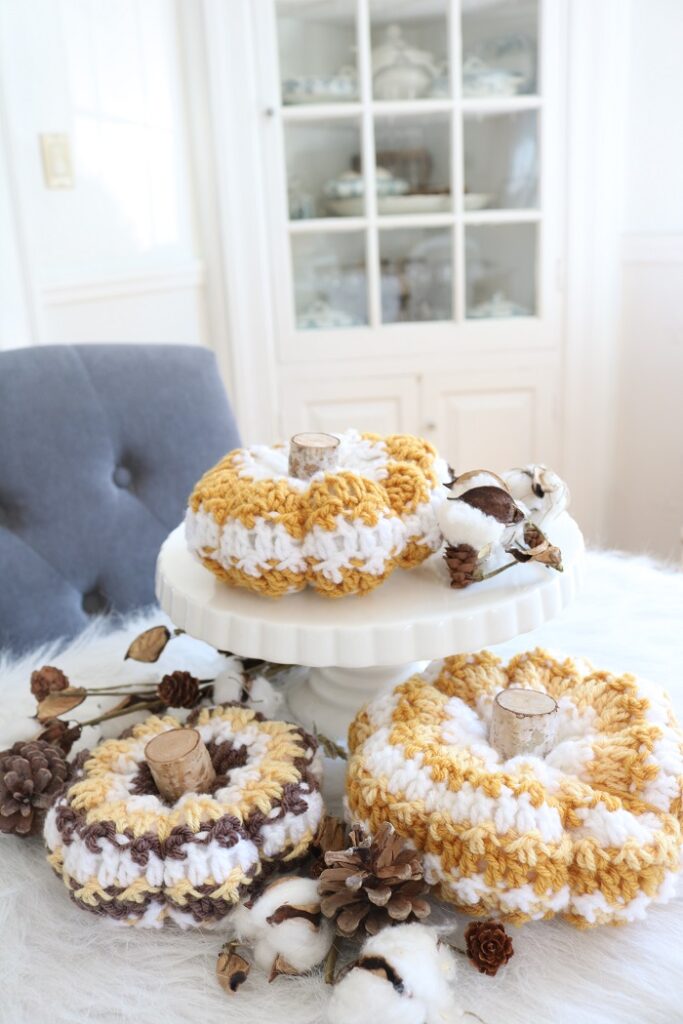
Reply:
x=321, y=180
x=501, y=161
x=409, y=49
x=415, y=153
x=317, y=46
x=330, y=282
x=500, y=270
x=499, y=48
x=416, y=266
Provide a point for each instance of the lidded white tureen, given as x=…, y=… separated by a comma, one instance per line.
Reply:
x=401, y=71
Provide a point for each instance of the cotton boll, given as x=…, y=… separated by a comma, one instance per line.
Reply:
x=402, y=974
x=543, y=492
x=256, y=692
x=460, y=523
x=265, y=698
x=362, y=996
x=272, y=926
x=228, y=684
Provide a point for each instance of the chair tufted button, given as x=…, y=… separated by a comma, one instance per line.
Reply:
x=123, y=477
x=94, y=602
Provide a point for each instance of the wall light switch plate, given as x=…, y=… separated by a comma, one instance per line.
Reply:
x=58, y=169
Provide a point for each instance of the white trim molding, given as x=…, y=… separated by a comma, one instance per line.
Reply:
x=219, y=56
x=597, y=35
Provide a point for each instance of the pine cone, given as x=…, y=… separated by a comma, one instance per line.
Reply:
x=488, y=946
x=330, y=838
x=462, y=562
x=179, y=690
x=47, y=680
x=30, y=775
x=376, y=882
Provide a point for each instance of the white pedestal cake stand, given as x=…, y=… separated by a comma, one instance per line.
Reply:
x=354, y=647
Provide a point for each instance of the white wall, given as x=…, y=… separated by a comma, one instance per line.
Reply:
x=646, y=512
x=113, y=258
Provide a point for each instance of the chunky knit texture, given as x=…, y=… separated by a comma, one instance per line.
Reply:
x=343, y=533
x=125, y=853
x=592, y=831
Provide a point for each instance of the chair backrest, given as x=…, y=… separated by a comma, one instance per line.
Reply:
x=100, y=446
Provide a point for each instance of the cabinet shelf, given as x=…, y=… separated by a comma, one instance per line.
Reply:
x=316, y=225
x=392, y=108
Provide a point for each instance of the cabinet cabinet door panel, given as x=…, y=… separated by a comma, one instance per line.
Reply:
x=480, y=422
x=383, y=405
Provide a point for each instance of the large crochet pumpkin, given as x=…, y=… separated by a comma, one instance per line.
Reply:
x=342, y=532
x=592, y=831
x=124, y=853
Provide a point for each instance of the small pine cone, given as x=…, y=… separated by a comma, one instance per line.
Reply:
x=179, y=690
x=462, y=562
x=47, y=680
x=488, y=946
x=30, y=776
x=376, y=882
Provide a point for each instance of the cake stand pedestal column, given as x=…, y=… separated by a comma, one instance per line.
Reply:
x=358, y=646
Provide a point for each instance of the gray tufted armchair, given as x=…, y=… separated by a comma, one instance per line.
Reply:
x=100, y=446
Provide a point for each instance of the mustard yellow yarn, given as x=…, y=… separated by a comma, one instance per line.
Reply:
x=245, y=508
x=603, y=813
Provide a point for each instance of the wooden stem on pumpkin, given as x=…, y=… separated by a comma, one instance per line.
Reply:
x=311, y=453
x=179, y=763
x=523, y=722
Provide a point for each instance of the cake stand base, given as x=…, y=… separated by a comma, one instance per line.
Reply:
x=326, y=700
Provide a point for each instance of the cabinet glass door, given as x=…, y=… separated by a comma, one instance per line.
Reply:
x=410, y=142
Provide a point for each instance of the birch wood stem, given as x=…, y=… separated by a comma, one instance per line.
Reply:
x=179, y=763
x=311, y=453
x=523, y=722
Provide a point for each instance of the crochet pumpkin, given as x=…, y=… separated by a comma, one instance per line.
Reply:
x=126, y=854
x=342, y=532
x=592, y=831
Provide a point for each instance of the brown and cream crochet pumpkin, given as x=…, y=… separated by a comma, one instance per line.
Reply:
x=341, y=532
x=125, y=853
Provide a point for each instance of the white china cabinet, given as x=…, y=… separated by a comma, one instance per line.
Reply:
x=411, y=158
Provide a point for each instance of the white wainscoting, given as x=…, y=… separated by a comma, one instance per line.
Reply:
x=646, y=512
x=159, y=306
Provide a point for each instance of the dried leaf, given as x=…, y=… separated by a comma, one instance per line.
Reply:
x=282, y=966
x=493, y=501
x=231, y=969
x=149, y=645
x=60, y=702
x=311, y=912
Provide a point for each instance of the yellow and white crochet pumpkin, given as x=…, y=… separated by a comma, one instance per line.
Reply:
x=342, y=532
x=592, y=831
x=126, y=854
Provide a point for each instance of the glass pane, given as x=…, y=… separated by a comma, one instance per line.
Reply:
x=413, y=164
x=501, y=161
x=409, y=49
x=499, y=47
x=329, y=280
x=500, y=270
x=317, y=43
x=416, y=273
x=321, y=181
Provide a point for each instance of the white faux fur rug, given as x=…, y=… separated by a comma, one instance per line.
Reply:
x=61, y=966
